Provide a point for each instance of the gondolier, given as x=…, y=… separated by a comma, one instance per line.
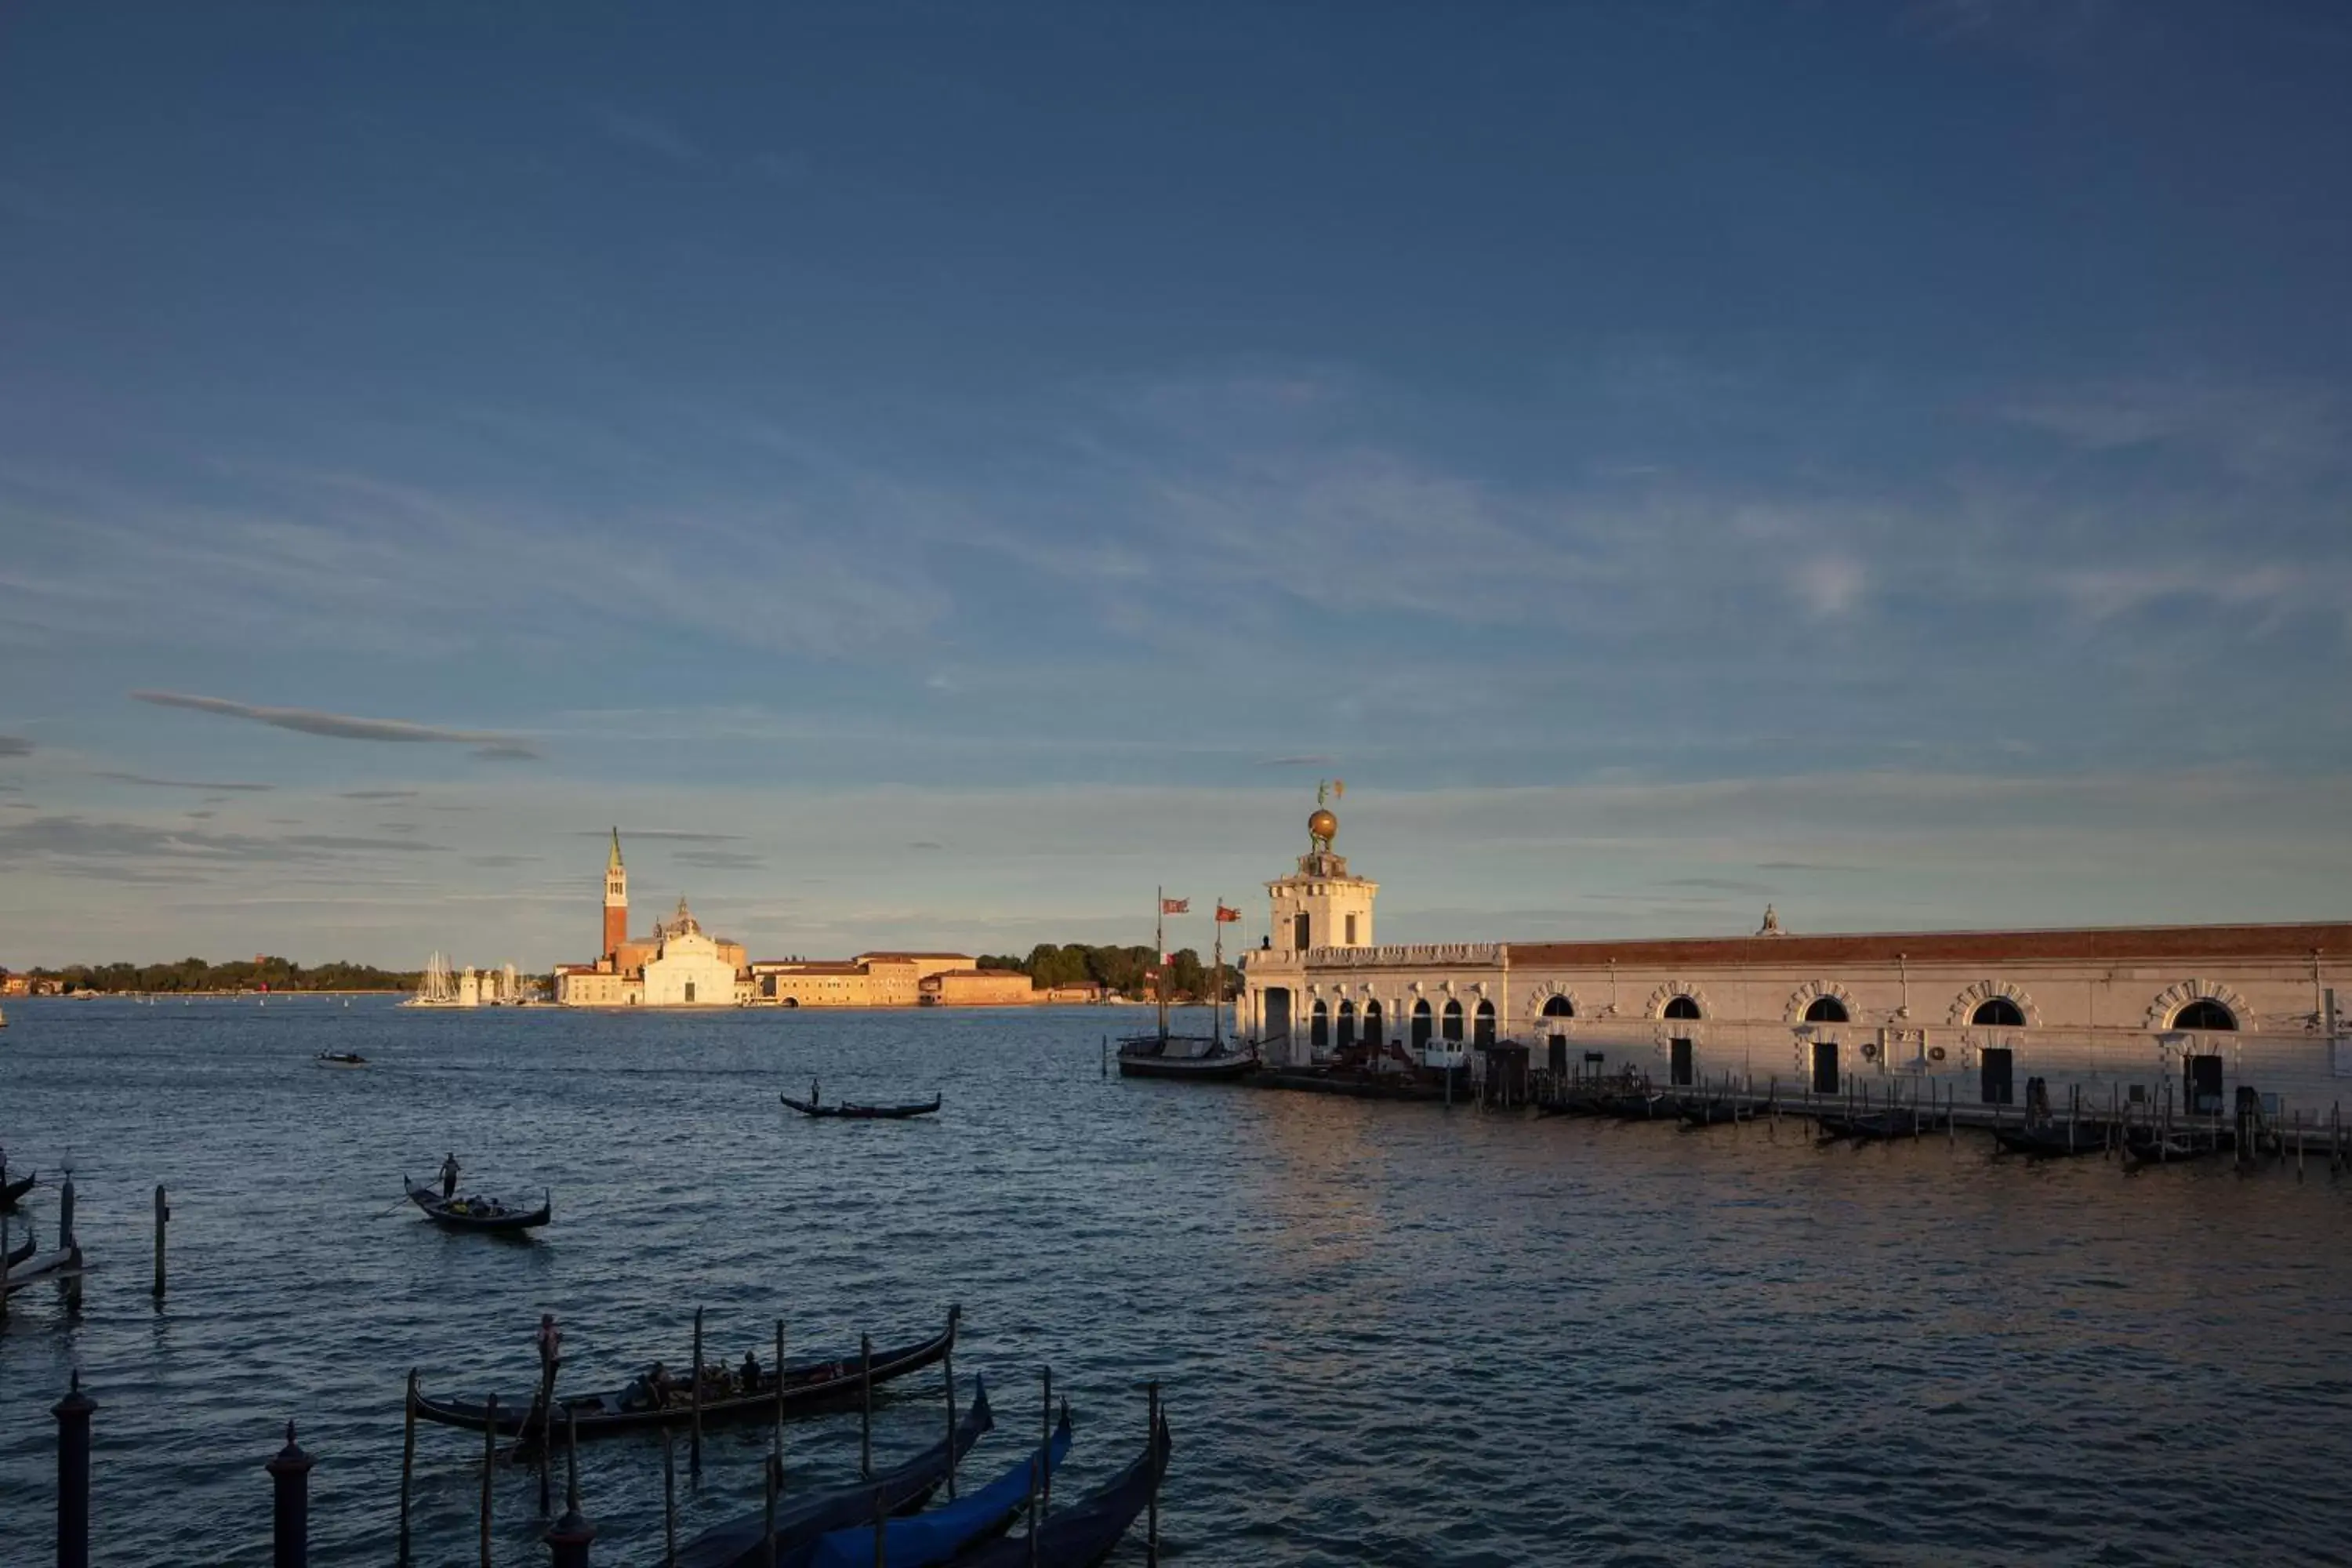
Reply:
x=550, y=1344
x=449, y=1177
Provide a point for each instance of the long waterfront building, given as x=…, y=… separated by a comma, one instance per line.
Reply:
x=2138, y=1013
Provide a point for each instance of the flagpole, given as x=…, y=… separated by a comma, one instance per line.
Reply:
x=1217, y=984
x=1159, y=958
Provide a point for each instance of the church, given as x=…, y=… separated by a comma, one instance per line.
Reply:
x=2184, y=1013
x=678, y=965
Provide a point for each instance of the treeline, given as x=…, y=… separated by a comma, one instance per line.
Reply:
x=1125, y=970
x=241, y=974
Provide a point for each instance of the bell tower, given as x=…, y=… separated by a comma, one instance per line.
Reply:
x=1322, y=904
x=616, y=898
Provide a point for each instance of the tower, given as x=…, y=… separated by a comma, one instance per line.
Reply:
x=1322, y=904
x=616, y=898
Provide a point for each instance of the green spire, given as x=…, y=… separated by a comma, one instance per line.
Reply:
x=613, y=863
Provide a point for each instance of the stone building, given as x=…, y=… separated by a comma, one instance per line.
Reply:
x=678, y=965
x=2147, y=1014
x=979, y=988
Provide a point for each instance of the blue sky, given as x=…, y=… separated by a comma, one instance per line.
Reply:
x=934, y=472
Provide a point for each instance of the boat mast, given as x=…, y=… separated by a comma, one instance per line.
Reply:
x=1217, y=980
x=1159, y=956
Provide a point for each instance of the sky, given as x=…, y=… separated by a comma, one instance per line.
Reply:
x=933, y=474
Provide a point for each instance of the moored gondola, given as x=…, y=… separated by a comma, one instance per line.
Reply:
x=938, y=1535
x=340, y=1059
x=849, y=1111
x=17, y=1258
x=12, y=1191
x=1089, y=1529
x=2051, y=1140
x=1715, y=1112
x=477, y=1213
x=808, y=1384
x=740, y=1542
x=2152, y=1146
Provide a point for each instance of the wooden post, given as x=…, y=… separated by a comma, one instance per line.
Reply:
x=866, y=1412
x=1045, y=1438
x=881, y=1530
x=1105, y=1057
x=290, y=1532
x=669, y=1500
x=73, y=1412
x=780, y=1402
x=694, y=1446
x=489, y=1464
x=407, y=1459
x=568, y=1539
x=1152, y=1467
x=68, y=1243
x=948, y=1361
x=767, y=1526
x=163, y=1218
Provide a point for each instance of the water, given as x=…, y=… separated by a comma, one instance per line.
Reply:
x=1390, y=1334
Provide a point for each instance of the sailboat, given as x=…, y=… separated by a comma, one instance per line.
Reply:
x=1162, y=1054
x=437, y=988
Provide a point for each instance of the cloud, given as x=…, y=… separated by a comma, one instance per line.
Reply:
x=647, y=134
x=177, y=783
x=677, y=834
x=342, y=726
x=1306, y=762
x=925, y=844
x=719, y=859
x=505, y=751
x=2260, y=432
x=14, y=746
x=1828, y=584
x=381, y=794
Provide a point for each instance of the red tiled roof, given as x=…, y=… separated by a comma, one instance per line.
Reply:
x=2093, y=944
x=901, y=955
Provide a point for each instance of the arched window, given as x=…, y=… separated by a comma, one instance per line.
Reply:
x=1999, y=1013
x=1419, y=1024
x=1454, y=1021
x=1346, y=1024
x=2204, y=1013
x=1558, y=1007
x=1319, y=1031
x=1372, y=1025
x=1483, y=1031
x=1825, y=1010
x=1682, y=1007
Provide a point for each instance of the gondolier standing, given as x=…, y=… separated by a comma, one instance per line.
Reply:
x=449, y=1177
x=551, y=1345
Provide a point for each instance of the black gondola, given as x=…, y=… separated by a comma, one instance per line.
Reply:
x=848, y=1111
x=340, y=1059
x=1089, y=1529
x=2052, y=1140
x=12, y=1191
x=799, y=1524
x=2148, y=1146
x=1643, y=1106
x=22, y=1253
x=808, y=1384
x=1715, y=1112
x=478, y=1213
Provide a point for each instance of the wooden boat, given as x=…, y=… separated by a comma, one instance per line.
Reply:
x=1203, y=1058
x=10, y=1191
x=802, y=1521
x=941, y=1534
x=808, y=1384
x=1715, y=1112
x=16, y=1259
x=1085, y=1532
x=1639, y=1107
x=2051, y=1140
x=478, y=1213
x=340, y=1059
x=2148, y=1146
x=849, y=1111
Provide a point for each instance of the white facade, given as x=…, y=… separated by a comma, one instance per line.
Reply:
x=686, y=971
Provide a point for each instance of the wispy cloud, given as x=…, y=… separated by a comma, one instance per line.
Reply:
x=676, y=835
x=342, y=726
x=380, y=793
x=647, y=133
x=14, y=746
x=180, y=783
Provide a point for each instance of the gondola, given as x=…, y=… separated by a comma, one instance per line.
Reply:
x=22, y=1253
x=800, y=1524
x=1715, y=1112
x=1088, y=1531
x=941, y=1534
x=2051, y=1140
x=850, y=1112
x=1203, y=1058
x=808, y=1384
x=10, y=1191
x=2147, y=1146
x=478, y=1213
x=1640, y=1107
x=340, y=1059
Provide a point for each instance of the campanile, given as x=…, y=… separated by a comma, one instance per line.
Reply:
x=616, y=898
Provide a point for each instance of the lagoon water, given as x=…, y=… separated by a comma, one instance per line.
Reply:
x=1388, y=1334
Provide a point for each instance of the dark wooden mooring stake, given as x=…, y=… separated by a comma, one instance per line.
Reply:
x=1045, y=1437
x=163, y=1218
x=694, y=1444
x=767, y=1526
x=568, y=1538
x=73, y=1412
x=1151, y=1468
x=67, y=1243
x=948, y=1361
x=866, y=1409
x=407, y=1460
x=669, y=1500
x=489, y=1466
x=881, y=1530
x=289, y=1531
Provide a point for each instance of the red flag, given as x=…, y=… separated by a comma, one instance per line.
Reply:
x=1175, y=906
x=1229, y=916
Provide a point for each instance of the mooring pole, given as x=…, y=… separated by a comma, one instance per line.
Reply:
x=1151, y=1466
x=569, y=1537
x=67, y=1243
x=289, y=1475
x=489, y=1466
x=163, y=1218
x=767, y=1526
x=407, y=1460
x=1106, y=1056
x=73, y=1412
x=948, y=1361
x=866, y=1411
x=780, y=1402
x=694, y=1447
x=669, y=1500
x=881, y=1531
x=1046, y=1440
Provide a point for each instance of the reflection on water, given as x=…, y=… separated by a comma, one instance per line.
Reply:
x=1389, y=1333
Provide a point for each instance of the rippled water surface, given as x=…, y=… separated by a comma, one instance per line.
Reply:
x=1388, y=1334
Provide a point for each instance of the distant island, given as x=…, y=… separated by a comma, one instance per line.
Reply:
x=191, y=975
x=1119, y=971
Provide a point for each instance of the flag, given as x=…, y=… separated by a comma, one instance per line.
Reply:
x=1339, y=789
x=1228, y=916
x=1175, y=906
